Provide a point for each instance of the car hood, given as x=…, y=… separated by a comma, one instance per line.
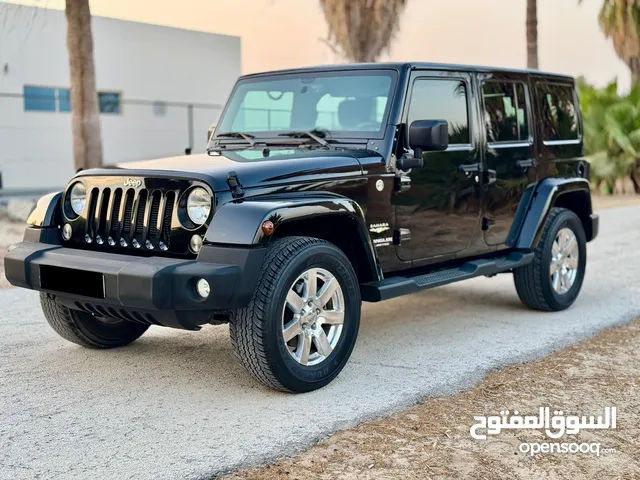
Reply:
x=253, y=170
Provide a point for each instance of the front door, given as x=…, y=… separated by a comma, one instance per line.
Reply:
x=440, y=209
x=510, y=156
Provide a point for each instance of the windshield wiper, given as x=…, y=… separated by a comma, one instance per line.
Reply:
x=313, y=135
x=246, y=136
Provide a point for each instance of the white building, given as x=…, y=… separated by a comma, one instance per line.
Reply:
x=159, y=90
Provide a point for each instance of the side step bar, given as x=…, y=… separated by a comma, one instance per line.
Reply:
x=397, y=286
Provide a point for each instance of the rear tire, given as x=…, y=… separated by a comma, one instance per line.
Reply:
x=87, y=330
x=301, y=324
x=553, y=280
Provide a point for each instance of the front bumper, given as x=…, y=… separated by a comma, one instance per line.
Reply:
x=152, y=289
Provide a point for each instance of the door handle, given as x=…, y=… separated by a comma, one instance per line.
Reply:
x=528, y=163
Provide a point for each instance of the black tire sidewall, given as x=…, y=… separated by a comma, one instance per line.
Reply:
x=566, y=219
x=298, y=377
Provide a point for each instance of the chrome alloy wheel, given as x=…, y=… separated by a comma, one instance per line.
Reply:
x=313, y=316
x=564, y=261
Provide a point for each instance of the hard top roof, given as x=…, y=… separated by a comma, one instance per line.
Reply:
x=413, y=65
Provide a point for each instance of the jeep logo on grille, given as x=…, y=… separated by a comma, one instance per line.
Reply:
x=130, y=182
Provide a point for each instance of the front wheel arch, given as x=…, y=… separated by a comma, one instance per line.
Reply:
x=343, y=231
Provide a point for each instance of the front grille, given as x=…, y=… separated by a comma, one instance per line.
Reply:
x=141, y=223
x=143, y=218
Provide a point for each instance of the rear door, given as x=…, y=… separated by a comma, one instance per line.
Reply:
x=510, y=156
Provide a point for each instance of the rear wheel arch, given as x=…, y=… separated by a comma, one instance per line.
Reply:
x=570, y=194
x=579, y=202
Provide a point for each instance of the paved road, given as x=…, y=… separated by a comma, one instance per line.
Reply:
x=177, y=405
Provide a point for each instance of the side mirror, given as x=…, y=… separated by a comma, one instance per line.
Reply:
x=429, y=135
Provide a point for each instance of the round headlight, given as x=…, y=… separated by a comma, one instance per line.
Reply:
x=198, y=205
x=78, y=198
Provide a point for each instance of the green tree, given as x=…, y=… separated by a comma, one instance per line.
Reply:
x=360, y=30
x=612, y=134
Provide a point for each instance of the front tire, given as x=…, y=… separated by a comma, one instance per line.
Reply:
x=87, y=330
x=553, y=280
x=301, y=324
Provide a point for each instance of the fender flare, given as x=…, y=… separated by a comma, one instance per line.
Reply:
x=536, y=205
x=239, y=222
x=47, y=211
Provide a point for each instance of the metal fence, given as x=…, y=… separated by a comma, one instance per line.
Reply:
x=36, y=144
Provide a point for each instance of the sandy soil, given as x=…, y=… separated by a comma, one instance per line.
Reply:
x=432, y=440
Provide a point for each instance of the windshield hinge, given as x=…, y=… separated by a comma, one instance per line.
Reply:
x=234, y=184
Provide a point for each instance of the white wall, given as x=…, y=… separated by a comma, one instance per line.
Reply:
x=143, y=62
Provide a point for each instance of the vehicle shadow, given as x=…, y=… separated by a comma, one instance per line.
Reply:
x=173, y=359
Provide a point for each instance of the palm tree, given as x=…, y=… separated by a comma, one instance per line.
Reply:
x=85, y=122
x=360, y=30
x=620, y=21
x=532, y=33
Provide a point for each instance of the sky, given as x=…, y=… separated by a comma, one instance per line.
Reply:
x=292, y=33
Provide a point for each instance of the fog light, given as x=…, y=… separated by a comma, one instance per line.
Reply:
x=203, y=288
x=195, y=244
x=67, y=232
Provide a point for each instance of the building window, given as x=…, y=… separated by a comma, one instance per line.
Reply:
x=558, y=112
x=505, y=111
x=442, y=100
x=109, y=102
x=39, y=99
x=46, y=99
x=64, y=100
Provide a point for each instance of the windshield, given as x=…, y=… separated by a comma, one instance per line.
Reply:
x=347, y=104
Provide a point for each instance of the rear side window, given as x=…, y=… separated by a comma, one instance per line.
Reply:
x=505, y=112
x=442, y=100
x=558, y=112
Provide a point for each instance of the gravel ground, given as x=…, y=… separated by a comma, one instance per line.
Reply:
x=432, y=440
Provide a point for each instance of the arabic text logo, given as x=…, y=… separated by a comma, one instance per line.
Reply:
x=555, y=426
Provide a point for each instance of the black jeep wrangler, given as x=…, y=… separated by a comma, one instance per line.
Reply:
x=322, y=187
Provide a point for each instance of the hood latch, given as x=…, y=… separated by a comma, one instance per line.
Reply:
x=234, y=184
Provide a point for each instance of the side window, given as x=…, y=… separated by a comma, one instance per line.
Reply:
x=442, y=100
x=505, y=112
x=558, y=112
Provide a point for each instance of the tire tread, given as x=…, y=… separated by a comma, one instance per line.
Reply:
x=247, y=325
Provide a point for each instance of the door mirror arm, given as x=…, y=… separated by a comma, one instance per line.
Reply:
x=407, y=163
